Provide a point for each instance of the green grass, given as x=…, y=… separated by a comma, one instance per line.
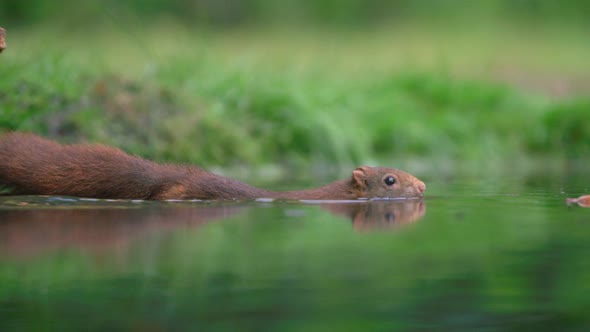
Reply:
x=285, y=98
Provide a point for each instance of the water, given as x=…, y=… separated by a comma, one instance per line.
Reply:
x=491, y=254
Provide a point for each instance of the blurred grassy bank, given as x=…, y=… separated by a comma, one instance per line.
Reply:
x=300, y=98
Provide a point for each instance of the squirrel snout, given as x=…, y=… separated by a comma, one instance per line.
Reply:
x=421, y=187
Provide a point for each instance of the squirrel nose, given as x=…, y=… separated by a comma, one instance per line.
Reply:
x=421, y=187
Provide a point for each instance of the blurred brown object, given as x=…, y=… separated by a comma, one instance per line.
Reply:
x=379, y=215
x=2, y=39
x=31, y=231
x=583, y=201
x=29, y=227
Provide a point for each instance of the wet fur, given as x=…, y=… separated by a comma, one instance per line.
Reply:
x=32, y=165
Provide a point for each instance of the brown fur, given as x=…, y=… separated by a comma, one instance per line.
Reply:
x=32, y=165
x=2, y=39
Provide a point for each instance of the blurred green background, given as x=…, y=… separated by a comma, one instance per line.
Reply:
x=427, y=85
x=467, y=95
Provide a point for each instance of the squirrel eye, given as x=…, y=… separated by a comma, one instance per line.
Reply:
x=390, y=180
x=389, y=217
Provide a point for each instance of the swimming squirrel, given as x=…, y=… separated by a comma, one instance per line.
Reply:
x=32, y=165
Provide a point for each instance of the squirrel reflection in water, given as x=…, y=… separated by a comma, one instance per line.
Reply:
x=381, y=215
x=103, y=229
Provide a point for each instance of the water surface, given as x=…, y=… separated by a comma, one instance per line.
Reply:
x=474, y=254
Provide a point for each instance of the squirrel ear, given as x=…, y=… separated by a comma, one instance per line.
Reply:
x=359, y=176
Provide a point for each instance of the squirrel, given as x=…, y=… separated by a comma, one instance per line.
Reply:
x=32, y=165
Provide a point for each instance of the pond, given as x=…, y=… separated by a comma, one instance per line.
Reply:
x=494, y=254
